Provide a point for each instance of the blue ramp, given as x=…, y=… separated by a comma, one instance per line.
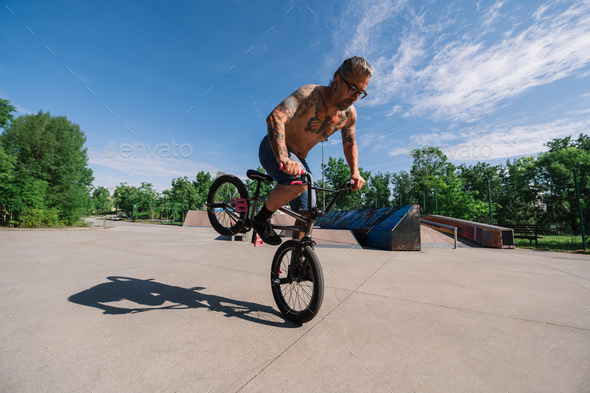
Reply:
x=387, y=228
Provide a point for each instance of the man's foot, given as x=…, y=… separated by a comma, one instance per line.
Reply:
x=266, y=233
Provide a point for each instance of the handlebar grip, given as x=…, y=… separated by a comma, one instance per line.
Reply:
x=282, y=166
x=303, y=172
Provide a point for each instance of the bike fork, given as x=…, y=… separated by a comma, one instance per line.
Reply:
x=297, y=253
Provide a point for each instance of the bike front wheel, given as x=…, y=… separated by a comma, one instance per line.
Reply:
x=300, y=299
x=221, y=207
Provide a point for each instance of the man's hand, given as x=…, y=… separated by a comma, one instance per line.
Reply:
x=291, y=167
x=359, y=182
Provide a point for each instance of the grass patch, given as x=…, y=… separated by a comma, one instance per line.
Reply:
x=555, y=243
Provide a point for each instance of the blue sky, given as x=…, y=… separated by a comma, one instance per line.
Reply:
x=485, y=81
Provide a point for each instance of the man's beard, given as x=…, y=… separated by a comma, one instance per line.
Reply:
x=344, y=105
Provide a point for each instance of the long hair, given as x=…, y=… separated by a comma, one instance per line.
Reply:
x=349, y=65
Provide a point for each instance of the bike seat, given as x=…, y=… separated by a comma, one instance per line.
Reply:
x=255, y=175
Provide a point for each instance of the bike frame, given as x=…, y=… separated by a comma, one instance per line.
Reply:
x=314, y=213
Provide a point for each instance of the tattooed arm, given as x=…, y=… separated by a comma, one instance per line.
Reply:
x=291, y=107
x=351, y=150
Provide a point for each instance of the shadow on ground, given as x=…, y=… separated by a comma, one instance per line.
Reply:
x=154, y=295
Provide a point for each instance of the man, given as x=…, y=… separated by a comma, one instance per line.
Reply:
x=305, y=118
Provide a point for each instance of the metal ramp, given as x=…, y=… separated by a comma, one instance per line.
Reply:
x=387, y=228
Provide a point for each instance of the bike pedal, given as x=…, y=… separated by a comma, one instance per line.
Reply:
x=241, y=205
x=258, y=242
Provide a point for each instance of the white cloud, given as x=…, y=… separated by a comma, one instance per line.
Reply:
x=498, y=141
x=395, y=109
x=374, y=142
x=492, y=13
x=157, y=170
x=529, y=139
x=467, y=76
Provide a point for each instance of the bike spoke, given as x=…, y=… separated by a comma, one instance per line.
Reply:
x=297, y=295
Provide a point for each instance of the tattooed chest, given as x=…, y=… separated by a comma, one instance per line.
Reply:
x=321, y=123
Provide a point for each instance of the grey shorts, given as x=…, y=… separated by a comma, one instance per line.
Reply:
x=270, y=165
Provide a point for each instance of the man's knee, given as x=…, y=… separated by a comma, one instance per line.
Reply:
x=297, y=189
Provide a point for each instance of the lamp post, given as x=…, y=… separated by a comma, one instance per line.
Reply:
x=581, y=213
x=436, y=201
x=323, y=178
x=490, y=199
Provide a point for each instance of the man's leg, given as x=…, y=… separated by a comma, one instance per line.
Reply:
x=281, y=195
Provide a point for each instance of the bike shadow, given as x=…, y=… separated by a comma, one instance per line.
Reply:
x=153, y=295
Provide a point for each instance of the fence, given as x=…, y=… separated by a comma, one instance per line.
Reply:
x=552, y=238
x=165, y=213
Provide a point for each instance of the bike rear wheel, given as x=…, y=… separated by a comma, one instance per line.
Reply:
x=221, y=208
x=300, y=300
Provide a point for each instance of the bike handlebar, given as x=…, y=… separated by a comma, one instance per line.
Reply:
x=348, y=185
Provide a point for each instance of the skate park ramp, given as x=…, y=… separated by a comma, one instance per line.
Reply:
x=387, y=228
x=333, y=238
x=431, y=238
x=196, y=218
x=486, y=235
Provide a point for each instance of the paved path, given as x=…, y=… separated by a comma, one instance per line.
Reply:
x=143, y=308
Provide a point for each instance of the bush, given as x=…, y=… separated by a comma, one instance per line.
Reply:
x=32, y=218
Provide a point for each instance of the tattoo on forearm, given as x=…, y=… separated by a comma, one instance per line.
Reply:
x=276, y=137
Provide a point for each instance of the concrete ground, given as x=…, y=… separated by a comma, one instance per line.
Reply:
x=143, y=308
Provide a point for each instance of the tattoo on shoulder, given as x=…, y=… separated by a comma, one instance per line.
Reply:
x=308, y=102
x=296, y=103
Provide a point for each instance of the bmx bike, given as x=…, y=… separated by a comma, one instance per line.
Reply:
x=296, y=275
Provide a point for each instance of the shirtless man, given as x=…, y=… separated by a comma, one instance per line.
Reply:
x=305, y=118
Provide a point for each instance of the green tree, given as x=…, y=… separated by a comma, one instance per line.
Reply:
x=521, y=192
x=144, y=199
x=402, y=186
x=124, y=198
x=6, y=177
x=51, y=151
x=556, y=176
x=337, y=173
x=265, y=186
x=475, y=179
x=19, y=191
x=202, y=184
x=183, y=193
x=101, y=199
x=454, y=201
x=6, y=110
x=583, y=142
x=429, y=163
x=430, y=171
x=378, y=192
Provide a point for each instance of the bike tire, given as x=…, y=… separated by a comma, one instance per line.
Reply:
x=300, y=301
x=227, y=221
